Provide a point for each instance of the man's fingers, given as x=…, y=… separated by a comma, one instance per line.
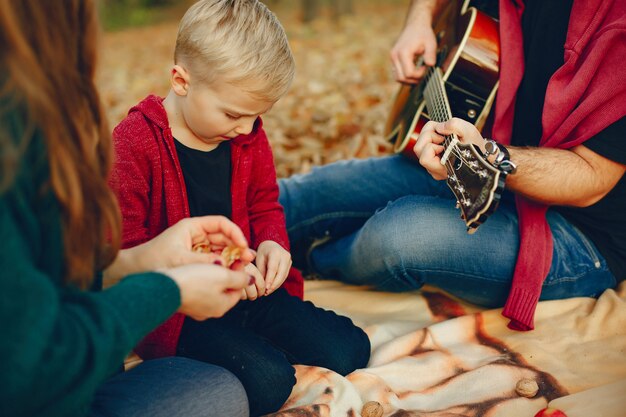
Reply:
x=427, y=136
x=455, y=125
x=431, y=161
x=397, y=71
x=430, y=53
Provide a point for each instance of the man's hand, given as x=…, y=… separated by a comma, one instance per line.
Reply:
x=429, y=148
x=416, y=41
x=416, y=46
x=577, y=177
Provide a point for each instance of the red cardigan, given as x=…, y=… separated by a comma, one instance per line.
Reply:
x=583, y=97
x=148, y=181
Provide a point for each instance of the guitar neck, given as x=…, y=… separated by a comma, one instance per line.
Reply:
x=438, y=107
x=435, y=95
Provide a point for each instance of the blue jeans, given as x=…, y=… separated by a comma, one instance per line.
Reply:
x=385, y=222
x=171, y=387
x=259, y=340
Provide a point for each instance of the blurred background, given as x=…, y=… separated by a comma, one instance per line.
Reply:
x=338, y=104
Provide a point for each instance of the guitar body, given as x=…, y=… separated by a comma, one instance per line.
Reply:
x=468, y=55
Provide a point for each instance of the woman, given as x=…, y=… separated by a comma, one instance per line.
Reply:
x=63, y=342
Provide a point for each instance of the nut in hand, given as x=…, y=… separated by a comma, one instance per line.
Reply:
x=526, y=388
x=230, y=254
x=203, y=247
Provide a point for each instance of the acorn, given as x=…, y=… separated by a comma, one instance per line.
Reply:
x=372, y=409
x=526, y=388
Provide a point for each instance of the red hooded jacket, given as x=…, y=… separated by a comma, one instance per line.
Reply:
x=583, y=97
x=150, y=187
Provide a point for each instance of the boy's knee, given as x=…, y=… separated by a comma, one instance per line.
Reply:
x=350, y=353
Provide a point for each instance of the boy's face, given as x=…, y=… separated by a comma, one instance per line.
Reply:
x=220, y=111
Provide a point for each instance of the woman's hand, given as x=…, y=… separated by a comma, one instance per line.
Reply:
x=274, y=263
x=174, y=247
x=256, y=288
x=207, y=291
x=429, y=148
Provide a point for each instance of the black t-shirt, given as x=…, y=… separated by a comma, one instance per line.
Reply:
x=489, y=7
x=207, y=178
x=544, y=24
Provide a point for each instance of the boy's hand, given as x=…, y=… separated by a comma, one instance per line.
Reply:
x=273, y=262
x=257, y=288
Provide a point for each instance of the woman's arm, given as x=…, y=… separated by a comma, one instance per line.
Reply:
x=174, y=247
x=59, y=343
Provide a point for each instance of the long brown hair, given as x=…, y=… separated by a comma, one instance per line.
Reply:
x=47, y=66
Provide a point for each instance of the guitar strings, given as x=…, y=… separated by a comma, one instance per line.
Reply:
x=441, y=112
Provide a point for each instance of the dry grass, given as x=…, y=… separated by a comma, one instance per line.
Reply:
x=337, y=106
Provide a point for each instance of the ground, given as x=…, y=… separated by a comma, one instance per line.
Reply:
x=340, y=98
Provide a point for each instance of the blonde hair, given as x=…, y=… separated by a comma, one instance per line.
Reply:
x=238, y=41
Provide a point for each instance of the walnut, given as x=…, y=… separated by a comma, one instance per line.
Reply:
x=526, y=388
x=230, y=254
x=372, y=409
x=203, y=247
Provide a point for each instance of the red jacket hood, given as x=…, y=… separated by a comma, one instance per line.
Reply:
x=152, y=108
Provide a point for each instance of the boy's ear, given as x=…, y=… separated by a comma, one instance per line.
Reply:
x=179, y=79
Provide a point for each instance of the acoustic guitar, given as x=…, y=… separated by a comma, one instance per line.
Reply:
x=463, y=84
x=475, y=182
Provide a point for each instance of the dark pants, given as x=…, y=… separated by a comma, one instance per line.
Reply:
x=259, y=340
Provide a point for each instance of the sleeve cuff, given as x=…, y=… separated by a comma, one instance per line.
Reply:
x=520, y=308
x=146, y=300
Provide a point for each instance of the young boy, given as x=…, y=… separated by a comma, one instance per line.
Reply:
x=202, y=150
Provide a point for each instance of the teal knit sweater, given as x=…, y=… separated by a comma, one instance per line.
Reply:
x=57, y=343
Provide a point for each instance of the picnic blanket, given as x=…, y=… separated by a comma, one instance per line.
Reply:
x=435, y=356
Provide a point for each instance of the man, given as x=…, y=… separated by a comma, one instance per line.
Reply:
x=559, y=118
